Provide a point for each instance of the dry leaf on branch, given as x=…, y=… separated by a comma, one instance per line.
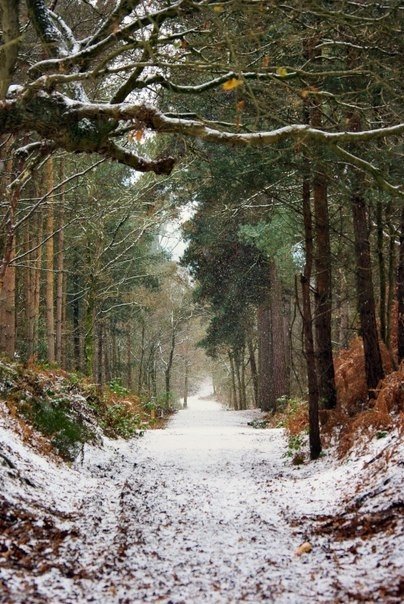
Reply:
x=232, y=84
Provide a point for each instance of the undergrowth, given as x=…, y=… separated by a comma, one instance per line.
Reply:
x=357, y=418
x=292, y=415
x=67, y=409
x=54, y=418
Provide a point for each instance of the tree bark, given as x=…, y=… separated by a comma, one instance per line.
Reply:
x=322, y=262
x=28, y=283
x=382, y=271
x=264, y=357
x=237, y=369
x=100, y=353
x=253, y=369
x=60, y=282
x=364, y=287
x=89, y=336
x=314, y=427
x=7, y=305
x=234, y=400
x=241, y=371
x=186, y=367
x=391, y=279
x=170, y=361
x=129, y=371
x=186, y=378
x=400, y=293
x=342, y=308
x=323, y=295
x=7, y=268
x=153, y=375
x=107, y=362
x=59, y=301
x=50, y=276
x=141, y=360
x=280, y=378
x=35, y=315
x=9, y=13
x=76, y=324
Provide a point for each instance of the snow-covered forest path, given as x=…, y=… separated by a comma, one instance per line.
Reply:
x=200, y=527
x=206, y=510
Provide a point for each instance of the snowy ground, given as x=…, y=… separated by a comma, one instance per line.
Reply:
x=207, y=510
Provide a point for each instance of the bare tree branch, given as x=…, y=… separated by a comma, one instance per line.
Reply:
x=90, y=127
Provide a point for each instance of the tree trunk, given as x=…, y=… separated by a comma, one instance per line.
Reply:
x=29, y=282
x=391, y=279
x=154, y=375
x=170, y=362
x=253, y=369
x=342, y=308
x=400, y=293
x=234, y=401
x=280, y=379
x=287, y=336
x=151, y=372
x=36, y=301
x=129, y=371
x=60, y=283
x=243, y=391
x=382, y=271
x=7, y=305
x=314, y=428
x=186, y=372
x=323, y=298
x=11, y=38
x=322, y=256
x=89, y=336
x=107, y=362
x=141, y=360
x=264, y=357
x=186, y=367
x=237, y=367
x=50, y=276
x=118, y=349
x=100, y=354
x=364, y=286
x=76, y=324
x=7, y=269
x=26, y=286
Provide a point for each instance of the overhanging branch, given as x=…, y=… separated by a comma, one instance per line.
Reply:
x=157, y=121
x=91, y=127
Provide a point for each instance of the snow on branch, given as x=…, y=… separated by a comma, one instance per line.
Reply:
x=98, y=44
x=289, y=74
x=157, y=121
x=85, y=127
x=48, y=33
x=366, y=166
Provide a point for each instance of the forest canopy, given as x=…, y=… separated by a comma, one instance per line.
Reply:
x=89, y=76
